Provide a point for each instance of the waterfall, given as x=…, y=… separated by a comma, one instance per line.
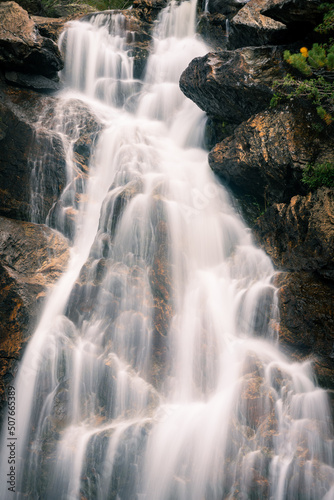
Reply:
x=154, y=372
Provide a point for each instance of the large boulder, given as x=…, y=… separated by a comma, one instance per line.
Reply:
x=233, y=85
x=32, y=257
x=22, y=48
x=250, y=27
x=265, y=157
x=299, y=236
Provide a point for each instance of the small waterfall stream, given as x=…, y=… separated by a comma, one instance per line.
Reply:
x=154, y=373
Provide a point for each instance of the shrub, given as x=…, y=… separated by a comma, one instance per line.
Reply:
x=318, y=175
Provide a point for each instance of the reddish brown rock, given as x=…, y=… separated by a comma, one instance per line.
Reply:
x=265, y=156
x=250, y=27
x=32, y=257
x=22, y=48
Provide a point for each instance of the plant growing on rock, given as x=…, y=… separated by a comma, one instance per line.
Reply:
x=316, y=73
x=318, y=175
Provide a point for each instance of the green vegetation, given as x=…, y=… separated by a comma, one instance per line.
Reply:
x=316, y=72
x=318, y=175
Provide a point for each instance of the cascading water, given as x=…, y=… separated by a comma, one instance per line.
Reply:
x=153, y=373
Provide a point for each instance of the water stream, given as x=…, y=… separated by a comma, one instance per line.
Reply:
x=154, y=373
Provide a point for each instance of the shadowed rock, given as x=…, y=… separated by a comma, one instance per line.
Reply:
x=22, y=48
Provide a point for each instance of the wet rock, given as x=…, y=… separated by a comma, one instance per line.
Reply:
x=299, y=236
x=265, y=157
x=256, y=401
x=21, y=151
x=233, y=85
x=213, y=29
x=36, y=82
x=306, y=305
x=22, y=48
x=250, y=27
x=32, y=257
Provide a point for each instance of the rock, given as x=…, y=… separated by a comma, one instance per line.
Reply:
x=265, y=157
x=227, y=7
x=148, y=10
x=306, y=304
x=213, y=29
x=36, y=82
x=292, y=12
x=299, y=236
x=22, y=48
x=233, y=85
x=33, y=7
x=32, y=257
x=250, y=27
x=17, y=164
x=49, y=27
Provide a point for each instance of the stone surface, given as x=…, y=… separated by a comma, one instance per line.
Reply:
x=212, y=28
x=31, y=6
x=36, y=82
x=233, y=85
x=20, y=150
x=265, y=157
x=22, y=48
x=294, y=11
x=300, y=235
x=250, y=27
x=32, y=257
x=306, y=329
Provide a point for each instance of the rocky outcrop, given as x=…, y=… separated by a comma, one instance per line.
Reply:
x=292, y=12
x=306, y=329
x=250, y=27
x=233, y=85
x=32, y=257
x=265, y=156
x=299, y=236
x=22, y=48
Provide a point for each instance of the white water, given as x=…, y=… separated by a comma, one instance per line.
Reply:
x=154, y=372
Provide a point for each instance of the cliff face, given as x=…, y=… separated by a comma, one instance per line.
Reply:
x=258, y=152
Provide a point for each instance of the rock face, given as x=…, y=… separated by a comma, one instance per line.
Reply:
x=299, y=236
x=265, y=156
x=307, y=327
x=250, y=27
x=22, y=48
x=291, y=12
x=233, y=85
x=17, y=138
x=32, y=257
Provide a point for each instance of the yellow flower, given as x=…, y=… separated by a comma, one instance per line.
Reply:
x=304, y=51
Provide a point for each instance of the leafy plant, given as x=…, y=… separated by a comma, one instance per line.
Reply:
x=319, y=174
